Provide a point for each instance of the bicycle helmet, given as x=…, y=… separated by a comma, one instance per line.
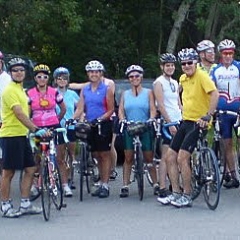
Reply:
x=16, y=62
x=133, y=68
x=167, y=58
x=204, y=45
x=187, y=54
x=59, y=71
x=94, y=66
x=1, y=55
x=41, y=68
x=226, y=44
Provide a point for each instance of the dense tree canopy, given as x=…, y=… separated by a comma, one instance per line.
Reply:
x=118, y=33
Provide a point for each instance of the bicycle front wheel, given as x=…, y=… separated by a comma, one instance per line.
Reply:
x=139, y=173
x=56, y=187
x=45, y=191
x=211, y=188
x=82, y=170
x=219, y=152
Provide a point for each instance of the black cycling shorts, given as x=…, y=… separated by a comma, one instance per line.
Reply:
x=186, y=137
x=16, y=153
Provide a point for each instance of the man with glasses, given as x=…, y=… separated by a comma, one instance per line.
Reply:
x=17, y=153
x=226, y=77
x=199, y=98
x=206, y=53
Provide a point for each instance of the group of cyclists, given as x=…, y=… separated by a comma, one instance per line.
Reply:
x=204, y=87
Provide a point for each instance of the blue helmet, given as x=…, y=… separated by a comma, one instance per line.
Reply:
x=59, y=71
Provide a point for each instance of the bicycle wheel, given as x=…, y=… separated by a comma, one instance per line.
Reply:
x=196, y=169
x=139, y=173
x=82, y=170
x=219, y=152
x=70, y=168
x=211, y=188
x=45, y=191
x=238, y=154
x=56, y=186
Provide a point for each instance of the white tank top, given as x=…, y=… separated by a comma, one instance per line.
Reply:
x=170, y=97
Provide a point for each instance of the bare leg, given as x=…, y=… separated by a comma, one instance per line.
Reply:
x=61, y=164
x=127, y=167
x=7, y=176
x=163, y=168
x=148, y=156
x=184, y=165
x=105, y=163
x=172, y=169
x=27, y=181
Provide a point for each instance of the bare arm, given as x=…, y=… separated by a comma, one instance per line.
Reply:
x=77, y=86
x=214, y=95
x=121, y=113
x=153, y=111
x=23, y=118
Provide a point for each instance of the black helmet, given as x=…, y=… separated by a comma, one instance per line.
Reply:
x=167, y=58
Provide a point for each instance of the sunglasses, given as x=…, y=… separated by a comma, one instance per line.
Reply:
x=62, y=78
x=134, y=76
x=227, y=53
x=187, y=63
x=172, y=86
x=42, y=77
x=18, y=70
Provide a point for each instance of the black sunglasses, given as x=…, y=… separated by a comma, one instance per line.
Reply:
x=172, y=86
x=187, y=63
x=18, y=70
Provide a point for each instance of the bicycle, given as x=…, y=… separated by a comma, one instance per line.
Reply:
x=135, y=129
x=49, y=181
x=86, y=165
x=205, y=172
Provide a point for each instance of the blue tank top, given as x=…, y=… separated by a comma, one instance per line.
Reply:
x=70, y=99
x=95, y=102
x=137, y=108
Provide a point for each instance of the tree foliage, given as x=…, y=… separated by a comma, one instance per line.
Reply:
x=118, y=33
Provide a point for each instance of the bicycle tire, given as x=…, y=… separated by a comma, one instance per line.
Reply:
x=45, y=191
x=238, y=154
x=139, y=173
x=196, y=169
x=82, y=169
x=70, y=168
x=211, y=188
x=56, y=188
x=219, y=152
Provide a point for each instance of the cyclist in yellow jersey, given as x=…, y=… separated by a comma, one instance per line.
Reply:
x=206, y=51
x=199, y=98
x=14, y=130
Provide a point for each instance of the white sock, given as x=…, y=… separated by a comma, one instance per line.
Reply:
x=25, y=202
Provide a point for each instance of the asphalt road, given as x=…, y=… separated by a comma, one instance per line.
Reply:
x=115, y=218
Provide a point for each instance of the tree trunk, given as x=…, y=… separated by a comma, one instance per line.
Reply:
x=181, y=15
x=212, y=19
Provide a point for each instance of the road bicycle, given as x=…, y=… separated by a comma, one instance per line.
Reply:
x=49, y=181
x=136, y=129
x=86, y=166
x=205, y=172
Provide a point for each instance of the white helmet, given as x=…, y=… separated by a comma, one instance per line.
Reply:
x=204, y=45
x=94, y=66
x=133, y=68
x=187, y=54
x=226, y=44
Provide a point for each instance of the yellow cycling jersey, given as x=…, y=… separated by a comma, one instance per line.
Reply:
x=195, y=95
x=13, y=95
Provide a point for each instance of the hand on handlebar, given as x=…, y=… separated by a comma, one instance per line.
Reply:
x=203, y=121
x=42, y=133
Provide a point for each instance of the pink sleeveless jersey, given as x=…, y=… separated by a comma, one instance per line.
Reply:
x=43, y=106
